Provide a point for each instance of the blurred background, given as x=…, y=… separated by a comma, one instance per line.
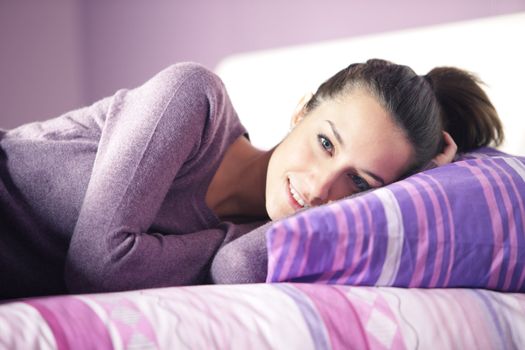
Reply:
x=57, y=55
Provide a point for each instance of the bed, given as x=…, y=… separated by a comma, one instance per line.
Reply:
x=436, y=260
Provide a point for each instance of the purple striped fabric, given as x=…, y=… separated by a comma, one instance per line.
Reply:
x=459, y=225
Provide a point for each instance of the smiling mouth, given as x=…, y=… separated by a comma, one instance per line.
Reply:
x=298, y=200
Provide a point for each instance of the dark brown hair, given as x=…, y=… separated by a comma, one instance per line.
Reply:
x=446, y=98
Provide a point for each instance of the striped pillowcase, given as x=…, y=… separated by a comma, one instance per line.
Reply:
x=459, y=225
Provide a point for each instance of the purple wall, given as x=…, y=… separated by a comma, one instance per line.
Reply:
x=41, y=65
x=71, y=52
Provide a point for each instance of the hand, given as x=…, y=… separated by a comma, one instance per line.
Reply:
x=448, y=154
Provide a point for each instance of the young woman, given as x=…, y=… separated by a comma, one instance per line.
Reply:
x=142, y=189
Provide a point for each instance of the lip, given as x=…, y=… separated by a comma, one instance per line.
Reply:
x=293, y=203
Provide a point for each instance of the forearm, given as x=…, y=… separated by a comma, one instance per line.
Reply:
x=148, y=134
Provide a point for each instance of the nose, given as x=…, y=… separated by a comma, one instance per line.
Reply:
x=319, y=186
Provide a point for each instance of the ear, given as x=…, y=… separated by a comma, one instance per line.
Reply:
x=300, y=110
x=447, y=155
x=449, y=150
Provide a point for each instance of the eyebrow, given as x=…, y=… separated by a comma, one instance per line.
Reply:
x=340, y=140
x=376, y=177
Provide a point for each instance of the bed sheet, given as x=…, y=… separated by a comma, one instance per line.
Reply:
x=268, y=316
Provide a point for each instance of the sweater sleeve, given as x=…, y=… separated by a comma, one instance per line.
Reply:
x=147, y=135
x=244, y=259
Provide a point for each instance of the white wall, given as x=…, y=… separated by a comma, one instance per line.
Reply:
x=490, y=47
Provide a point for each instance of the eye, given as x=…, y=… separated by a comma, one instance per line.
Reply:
x=325, y=143
x=359, y=182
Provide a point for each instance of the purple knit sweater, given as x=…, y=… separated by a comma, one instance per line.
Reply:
x=112, y=196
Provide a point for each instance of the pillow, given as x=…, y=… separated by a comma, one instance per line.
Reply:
x=459, y=225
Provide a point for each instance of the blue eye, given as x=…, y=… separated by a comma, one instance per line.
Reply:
x=325, y=143
x=359, y=182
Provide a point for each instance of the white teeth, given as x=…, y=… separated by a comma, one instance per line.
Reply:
x=296, y=196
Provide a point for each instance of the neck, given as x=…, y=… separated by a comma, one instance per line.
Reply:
x=238, y=187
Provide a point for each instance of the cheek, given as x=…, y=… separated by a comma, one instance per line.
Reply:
x=291, y=158
x=341, y=188
x=274, y=183
x=294, y=154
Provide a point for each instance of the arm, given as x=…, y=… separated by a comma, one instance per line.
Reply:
x=243, y=260
x=148, y=134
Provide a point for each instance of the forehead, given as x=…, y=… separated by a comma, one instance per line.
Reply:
x=357, y=112
x=371, y=138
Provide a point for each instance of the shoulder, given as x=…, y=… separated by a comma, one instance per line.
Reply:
x=191, y=75
x=196, y=96
x=199, y=85
x=195, y=84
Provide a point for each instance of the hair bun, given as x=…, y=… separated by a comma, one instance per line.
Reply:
x=466, y=111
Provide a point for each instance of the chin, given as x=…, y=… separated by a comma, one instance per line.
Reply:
x=278, y=203
x=273, y=214
x=274, y=211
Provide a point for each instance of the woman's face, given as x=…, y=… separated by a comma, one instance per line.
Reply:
x=343, y=146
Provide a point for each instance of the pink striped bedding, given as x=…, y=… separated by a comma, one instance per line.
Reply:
x=268, y=316
x=459, y=225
